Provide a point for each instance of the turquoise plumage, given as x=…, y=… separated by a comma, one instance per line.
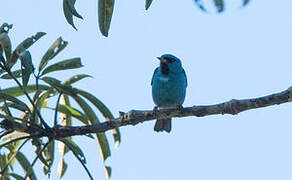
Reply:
x=169, y=84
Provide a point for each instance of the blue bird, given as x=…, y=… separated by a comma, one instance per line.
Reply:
x=169, y=83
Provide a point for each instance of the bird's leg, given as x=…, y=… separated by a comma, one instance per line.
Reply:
x=121, y=115
x=180, y=108
x=155, y=111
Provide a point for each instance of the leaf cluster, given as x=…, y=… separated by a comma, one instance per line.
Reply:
x=106, y=8
x=22, y=116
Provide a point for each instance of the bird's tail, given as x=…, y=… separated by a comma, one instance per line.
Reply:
x=163, y=125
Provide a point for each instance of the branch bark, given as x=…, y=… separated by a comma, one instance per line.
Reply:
x=134, y=117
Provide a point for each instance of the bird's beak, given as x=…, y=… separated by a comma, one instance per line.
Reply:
x=162, y=60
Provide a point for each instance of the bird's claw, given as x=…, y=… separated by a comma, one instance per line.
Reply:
x=155, y=111
x=121, y=115
x=180, y=109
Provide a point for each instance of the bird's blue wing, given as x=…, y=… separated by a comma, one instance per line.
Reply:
x=155, y=71
x=184, y=73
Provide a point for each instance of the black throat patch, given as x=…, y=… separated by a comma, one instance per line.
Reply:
x=164, y=68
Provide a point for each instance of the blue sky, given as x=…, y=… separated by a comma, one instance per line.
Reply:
x=242, y=53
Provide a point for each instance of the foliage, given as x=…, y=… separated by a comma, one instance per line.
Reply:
x=106, y=7
x=17, y=113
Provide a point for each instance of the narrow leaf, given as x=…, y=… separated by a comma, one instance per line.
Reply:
x=37, y=143
x=74, y=147
x=65, y=120
x=108, y=171
x=219, y=5
x=75, y=78
x=64, y=65
x=49, y=154
x=25, y=165
x=23, y=46
x=105, y=12
x=79, y=159
x=245, y=2
x=16, y=74
x=60, y=87
x=16, y=176
x=147, y=4
x=71, y=6
x=3, y=163
x=54, y=50
x=105, y=112
x=62, y=167
x=70, y=11
x=16, y=106
x=102, y=140
x=4, y=96
x=26, y=67
x=16, y=91
x=14, y=135
x=200, y=5
x=68, y=14
x=74, y=113
x=5, y=43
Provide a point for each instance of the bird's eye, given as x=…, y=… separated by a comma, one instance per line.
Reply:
x=170, y=60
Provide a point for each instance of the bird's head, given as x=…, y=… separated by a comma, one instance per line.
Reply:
x=170, y=63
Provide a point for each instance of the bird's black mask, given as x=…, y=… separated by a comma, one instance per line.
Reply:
x=164, y=68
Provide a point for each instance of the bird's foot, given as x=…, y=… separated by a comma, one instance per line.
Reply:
x=121, y=115
x=155, y=111
x=180, y=108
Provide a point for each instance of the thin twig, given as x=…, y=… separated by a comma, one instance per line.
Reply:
x=28, y=97
x=20, y=138
x=13, y=156
x=37, y=157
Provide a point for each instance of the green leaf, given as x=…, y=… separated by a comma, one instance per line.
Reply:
x=108, y=171
x=48, y=154
x=105, y=112
x=23, y=46
x=62, y=167
x=16, y=74
x=65, y=120
x=53, y=51
x=4, y=96
x=70, y=11
x=63, y=65
x=70, y=4
x=245, y=2
x=200, y=5
x=17, y=91
x=14, y=135
x=16, y=106
x=5, y=43
x=105, y=12
x=3, y=163
x=16, y=176
x=75, y=78
x=60, y=87
x=147, y=4
x=37, y=143
x=26, y=66
x=74, y=147
x=102, y=140
x=219, y=5
x=25, y=165
x=74, y=113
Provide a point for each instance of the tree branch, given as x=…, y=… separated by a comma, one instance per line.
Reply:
x=134, y=117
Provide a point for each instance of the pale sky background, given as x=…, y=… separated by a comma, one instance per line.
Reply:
x=242, y=53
